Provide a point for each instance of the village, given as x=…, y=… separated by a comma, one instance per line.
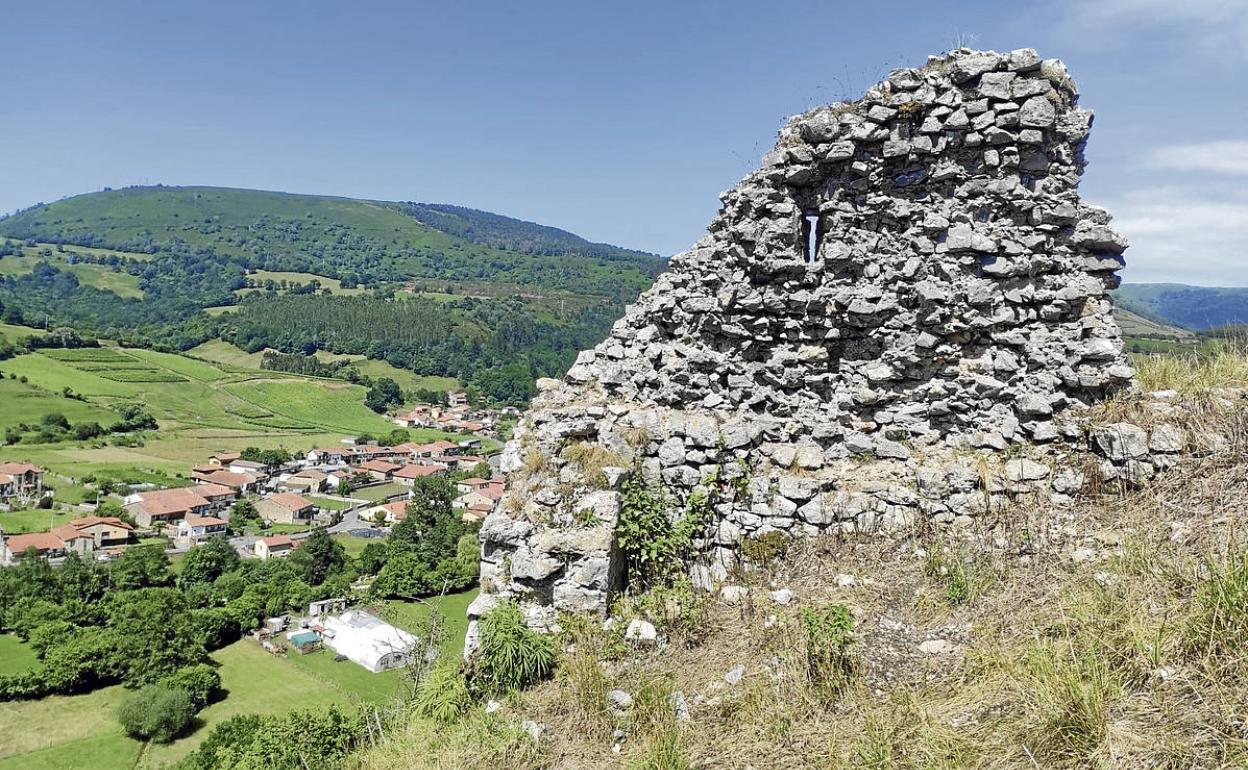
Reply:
x=355, y=491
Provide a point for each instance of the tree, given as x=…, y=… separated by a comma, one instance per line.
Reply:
x=371, y=559
x=242, y=514
x=201, y=682
x=157, y=713
x=152, y=634
x=141, y=566
x=404, y=576
x=383, y=393
x=209, y=561
x=300, y=739
x=318, y=557
x=271, y=458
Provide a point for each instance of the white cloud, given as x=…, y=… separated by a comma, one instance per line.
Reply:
x=1223, y=157
x=1219, y=27
x=1184, y=234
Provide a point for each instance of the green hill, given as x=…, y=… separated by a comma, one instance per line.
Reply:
x=340, y=238
x=442, y=291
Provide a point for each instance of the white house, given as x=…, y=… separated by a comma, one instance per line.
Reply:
x=368, y=640
x=193, y=528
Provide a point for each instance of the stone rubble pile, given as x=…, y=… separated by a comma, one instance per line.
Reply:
x=905, y=280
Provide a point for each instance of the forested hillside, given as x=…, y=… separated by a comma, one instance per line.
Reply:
x=439, y=290
x=1192, y=307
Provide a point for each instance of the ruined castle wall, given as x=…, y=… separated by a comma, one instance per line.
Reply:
x=905, y=277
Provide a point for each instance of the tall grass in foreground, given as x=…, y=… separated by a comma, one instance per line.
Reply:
x=1225, y=366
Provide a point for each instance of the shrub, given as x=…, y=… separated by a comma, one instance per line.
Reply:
x=512, y=656
x=201, y=682
x=443, y=695
x=679, y=608
x=766, y=548
x=829, y=637
x=157, y=713
x=656, y=545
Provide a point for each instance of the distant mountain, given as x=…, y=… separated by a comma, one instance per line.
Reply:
x=1192, y=307
x=360, y=241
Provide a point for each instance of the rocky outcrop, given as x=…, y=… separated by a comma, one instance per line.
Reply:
x=906, y=279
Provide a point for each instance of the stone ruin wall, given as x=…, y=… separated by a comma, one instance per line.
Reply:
x=906, y=279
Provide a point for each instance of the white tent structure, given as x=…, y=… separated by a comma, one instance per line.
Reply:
x=367, y=639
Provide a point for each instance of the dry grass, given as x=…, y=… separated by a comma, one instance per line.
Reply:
x=1132, y=657
x=589, y=459
x=1225, y=367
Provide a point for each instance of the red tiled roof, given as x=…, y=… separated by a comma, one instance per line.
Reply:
x=67, y=533
x=342, y=450
x=163, y=501
x=227, y=478
x=5, y=478
x=203, y=521
x=19, y=468
x=419, y=471
x=290, y=501
x=214, y=490
x=91, y=521
x=278, y=541
x=380, y=466
x=397, y=509
x=40, y=541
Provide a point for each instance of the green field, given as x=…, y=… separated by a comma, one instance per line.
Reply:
x=376, y=369
x=379, y=492
x=81, y=731
x=25, y=403
x=221, y=352
x=103, y=277
x=355, y=545
x=14, y=333
x=330, y=505
x=34, y=520
x=15, y=657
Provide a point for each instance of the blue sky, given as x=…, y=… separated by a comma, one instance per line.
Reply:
x=619, y=121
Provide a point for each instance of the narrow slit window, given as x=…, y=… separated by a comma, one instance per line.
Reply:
x=812, y=234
